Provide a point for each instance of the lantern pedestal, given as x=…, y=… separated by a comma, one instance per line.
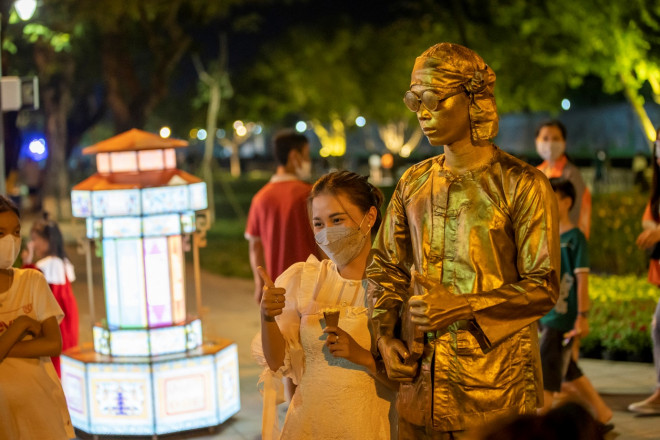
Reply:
x=152, y=395
x=148, y=372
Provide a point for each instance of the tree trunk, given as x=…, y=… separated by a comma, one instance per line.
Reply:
x=57, y=102
x=207, y=161
x=235, y=160
x=637, y=102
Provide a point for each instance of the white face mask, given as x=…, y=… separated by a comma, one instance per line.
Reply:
x=304, y=171
x=10, y=246
x=550, y=150
x=341, y=244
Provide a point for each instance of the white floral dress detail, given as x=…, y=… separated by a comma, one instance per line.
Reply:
x=335, y=398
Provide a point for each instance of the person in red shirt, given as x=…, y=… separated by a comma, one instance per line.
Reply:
x=45, y=252
x=278, y=227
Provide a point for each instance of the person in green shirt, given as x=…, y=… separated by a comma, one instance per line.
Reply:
x=568, y=321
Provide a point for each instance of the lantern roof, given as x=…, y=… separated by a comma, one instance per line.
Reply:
x=143, y=179
x=134, y=140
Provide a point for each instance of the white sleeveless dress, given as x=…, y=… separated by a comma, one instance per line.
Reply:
x=335, y=398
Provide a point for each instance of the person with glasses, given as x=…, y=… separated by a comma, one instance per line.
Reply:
x=466, y=262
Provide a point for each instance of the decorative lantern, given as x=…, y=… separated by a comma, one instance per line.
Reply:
x=148, y=372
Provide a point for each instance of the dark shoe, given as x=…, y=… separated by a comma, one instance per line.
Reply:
x=604, y=428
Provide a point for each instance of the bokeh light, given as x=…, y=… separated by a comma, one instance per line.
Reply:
x=201, y=134
x=360, y=121
x=387, y=161
x=565, y=104
x=301, y=126
x=165, y=132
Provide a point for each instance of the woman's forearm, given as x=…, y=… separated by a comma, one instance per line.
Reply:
x=10, y=338
x=49, y=343
x=272, y=342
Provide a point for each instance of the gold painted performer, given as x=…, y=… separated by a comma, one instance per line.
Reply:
x=480, y=227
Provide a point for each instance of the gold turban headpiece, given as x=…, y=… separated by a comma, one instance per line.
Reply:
x=448, y=66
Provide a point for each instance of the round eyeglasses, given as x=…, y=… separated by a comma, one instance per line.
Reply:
x=430, y=99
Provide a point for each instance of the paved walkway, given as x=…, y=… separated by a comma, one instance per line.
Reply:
x=234, y=315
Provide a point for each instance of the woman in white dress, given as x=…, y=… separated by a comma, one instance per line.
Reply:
x=340, y=393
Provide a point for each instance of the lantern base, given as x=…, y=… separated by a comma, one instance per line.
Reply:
x=151, y=395
x=157, y=341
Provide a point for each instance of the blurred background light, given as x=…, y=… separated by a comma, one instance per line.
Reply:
x=165, y=132
x=565, y=104
x=25, y=8
x=301, y=126
x=241, y=130
x=201, y=134
x=360, y=121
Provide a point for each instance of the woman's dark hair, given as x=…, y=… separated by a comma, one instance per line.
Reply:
x=357, y=188
x=49, y=231
x=552, y=123
x=655, y=190
x=7, y=205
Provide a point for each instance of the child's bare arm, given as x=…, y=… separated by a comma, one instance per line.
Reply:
x=48, y=343
x=17, y=331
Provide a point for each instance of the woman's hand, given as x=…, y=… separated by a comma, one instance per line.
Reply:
x=29, y=325
x=648, y=238
x=341, y=344
x=272, y=302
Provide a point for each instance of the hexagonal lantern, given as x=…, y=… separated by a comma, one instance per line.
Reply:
x=148, y=372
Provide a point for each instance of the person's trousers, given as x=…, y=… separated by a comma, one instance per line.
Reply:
x=655, y=334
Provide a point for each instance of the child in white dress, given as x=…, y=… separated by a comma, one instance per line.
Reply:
x=32, y=403
x=339, y=393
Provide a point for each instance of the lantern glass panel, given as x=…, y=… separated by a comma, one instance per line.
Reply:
x=165, y=199
x=123, y=161
x=129, y=343
x=117, y=227
x=121, y=399
x=198, y=199
x=167, y=224
x=177, y=278
x=103, y=163
x=81, y=203
x=116, y=202
x=185, y=392
x=111, y=278
x=150, y=160
x=156, y=265
x=168, y=340
x=170, y=159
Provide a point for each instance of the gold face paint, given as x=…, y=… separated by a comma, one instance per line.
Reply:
x=449, y=122
x=446, y=69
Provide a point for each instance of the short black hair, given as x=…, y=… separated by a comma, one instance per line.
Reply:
x=553, y=123
x=6, y=204
x=286, y=140
x=565, y=188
